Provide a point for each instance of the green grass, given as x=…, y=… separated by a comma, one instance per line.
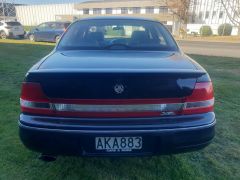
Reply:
x=220, y=160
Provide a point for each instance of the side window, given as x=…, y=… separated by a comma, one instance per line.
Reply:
x=121, y=31
x=114, y=31
x=51, y=26
x=59, y=26
x=42, y=27
x=62, y=25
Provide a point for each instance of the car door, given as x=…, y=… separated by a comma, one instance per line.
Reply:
x=40, y=32
x=51, y=32
x=57, y=29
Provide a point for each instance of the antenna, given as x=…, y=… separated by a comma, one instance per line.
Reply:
x=7, y=9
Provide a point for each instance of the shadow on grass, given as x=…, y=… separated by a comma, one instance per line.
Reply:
x=162, y=167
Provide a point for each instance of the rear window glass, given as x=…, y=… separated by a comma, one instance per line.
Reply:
x=13, y=23
x=62, y=25
x=66, y=25
x=117, y=34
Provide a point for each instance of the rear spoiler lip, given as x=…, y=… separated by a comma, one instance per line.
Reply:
x=115, y=70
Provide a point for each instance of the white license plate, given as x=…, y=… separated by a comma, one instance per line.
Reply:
x=118, y=144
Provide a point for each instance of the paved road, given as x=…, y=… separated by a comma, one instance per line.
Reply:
x=211, y=48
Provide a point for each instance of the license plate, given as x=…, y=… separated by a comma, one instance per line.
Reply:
x=118, y=144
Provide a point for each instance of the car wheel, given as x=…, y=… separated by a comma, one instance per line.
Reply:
x=57, y=38
x=32, y=37
x=3, y=35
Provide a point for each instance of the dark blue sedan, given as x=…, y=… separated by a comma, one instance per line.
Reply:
x=116, y=86
x=48, y=31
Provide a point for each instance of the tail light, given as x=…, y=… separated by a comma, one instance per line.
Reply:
x=34, y=101
x=201, y=100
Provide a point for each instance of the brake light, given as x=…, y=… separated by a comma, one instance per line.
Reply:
x=201, y=100
x=33, y=92
x=33, y=100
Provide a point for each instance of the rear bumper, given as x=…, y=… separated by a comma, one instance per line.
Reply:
x=165, y=135
x=15, y=33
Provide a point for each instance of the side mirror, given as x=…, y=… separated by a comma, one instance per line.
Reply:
x=36, y=29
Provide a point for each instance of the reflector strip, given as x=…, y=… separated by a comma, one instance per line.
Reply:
x=31, y=104
x=200, y=104
x=120, y=108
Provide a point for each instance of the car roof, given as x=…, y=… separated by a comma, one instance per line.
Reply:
x=117, y=18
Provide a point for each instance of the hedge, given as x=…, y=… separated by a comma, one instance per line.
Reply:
x=206, y=31
x=225, y=29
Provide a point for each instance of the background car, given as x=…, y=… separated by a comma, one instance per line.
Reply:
x=48, y=31
x=11, y=29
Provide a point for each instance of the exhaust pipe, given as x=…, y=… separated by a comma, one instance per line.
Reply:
x=47, y=158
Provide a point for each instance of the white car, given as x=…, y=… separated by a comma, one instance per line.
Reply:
x=11, y=29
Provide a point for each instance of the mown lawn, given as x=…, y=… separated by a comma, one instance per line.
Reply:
x=220, y=160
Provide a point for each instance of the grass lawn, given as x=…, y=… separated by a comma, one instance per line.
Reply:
x=220, y=160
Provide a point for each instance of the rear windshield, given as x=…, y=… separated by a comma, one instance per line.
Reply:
x=62, y=25
x=66, y=25
x=117, y=35
x=13, y=23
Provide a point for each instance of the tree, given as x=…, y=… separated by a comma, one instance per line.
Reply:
x=225, y=29
x=179, y=8
x=232, y=8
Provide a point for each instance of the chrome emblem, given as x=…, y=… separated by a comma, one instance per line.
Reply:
x=119, y=88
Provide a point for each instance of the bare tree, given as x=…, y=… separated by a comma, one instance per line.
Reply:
x=232, y=8
x=7, y=9
x=180, y=8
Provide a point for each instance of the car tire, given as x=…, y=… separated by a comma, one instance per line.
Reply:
x=3, y=35
x=57, y=38
x=32, y=37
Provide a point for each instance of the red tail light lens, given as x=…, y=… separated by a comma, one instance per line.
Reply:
x=201, y=100
x=33, y=100
x=33, y=92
